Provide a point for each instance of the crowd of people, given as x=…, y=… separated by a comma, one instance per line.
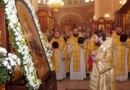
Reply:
x=103, y=55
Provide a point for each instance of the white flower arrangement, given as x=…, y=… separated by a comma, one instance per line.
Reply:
x=3, y=51
x=20, y=43
x=8, y=62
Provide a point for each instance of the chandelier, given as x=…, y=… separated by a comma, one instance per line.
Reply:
x=55, y=4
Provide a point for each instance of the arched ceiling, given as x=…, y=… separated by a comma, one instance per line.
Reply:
x=78, y=15
x=70, y=18
x=75, y=11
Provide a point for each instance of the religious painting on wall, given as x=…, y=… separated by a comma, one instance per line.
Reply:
x=101, y=20
x=50, y=20
x=67, y=29
x=108, y=26
x=33, y=39
x=126, y=22
x=101, y=25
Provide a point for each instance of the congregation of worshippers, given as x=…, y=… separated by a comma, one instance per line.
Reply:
x=73, y=52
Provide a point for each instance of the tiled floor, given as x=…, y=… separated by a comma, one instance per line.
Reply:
x=84, y=85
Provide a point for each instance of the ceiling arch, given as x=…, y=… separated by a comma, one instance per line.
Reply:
x=71, y=15
x=88, y=12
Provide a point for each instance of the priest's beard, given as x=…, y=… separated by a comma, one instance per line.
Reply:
x=75, y=35
x=98, y=43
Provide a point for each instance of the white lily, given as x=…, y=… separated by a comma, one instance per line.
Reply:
x=8, y=67
x=5, y=63
x=12, y=63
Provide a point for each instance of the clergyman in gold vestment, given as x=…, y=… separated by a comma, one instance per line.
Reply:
x=57, y=56
x=103, y=77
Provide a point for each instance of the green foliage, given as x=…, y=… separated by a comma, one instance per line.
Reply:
x=2, y=4
x=4, y=74
x=30, y=87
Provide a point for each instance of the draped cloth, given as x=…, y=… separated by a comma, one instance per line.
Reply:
x=76, y=57
x=58, y=64
x=77, y=66
x=128, y=45
x=67, y=52
x=90, y=47
x=121, y=58
x=103, y=76
x=116, y=38
x=121, y=62
x=57, y=58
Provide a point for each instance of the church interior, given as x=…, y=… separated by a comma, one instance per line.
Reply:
x=39, y=33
